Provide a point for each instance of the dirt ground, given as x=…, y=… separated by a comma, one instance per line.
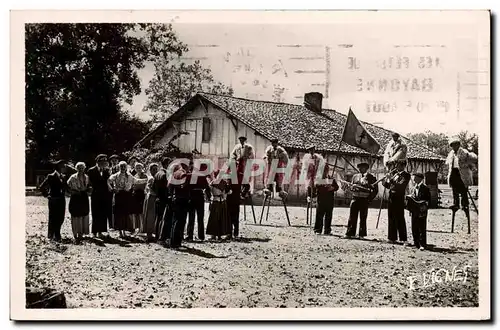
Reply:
x=274, y=265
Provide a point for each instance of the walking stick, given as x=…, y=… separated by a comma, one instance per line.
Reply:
x=380, y=208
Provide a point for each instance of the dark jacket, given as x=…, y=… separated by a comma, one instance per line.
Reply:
x=424, y=194
x=398, y=183
x=98, y=182
x=54, y=185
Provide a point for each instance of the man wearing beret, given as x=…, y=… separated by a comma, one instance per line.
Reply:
x=54, y=188
x=163, y=205
x=199, y=192
x=421, y=193
x=101, y=198
x=397, y=184
x=362, y=194
x=459, y=163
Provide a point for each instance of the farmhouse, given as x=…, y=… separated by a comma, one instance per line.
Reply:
x=212, y=123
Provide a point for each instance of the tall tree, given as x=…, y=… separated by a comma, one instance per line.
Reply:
x=175, y=82
x=77, y=77
x=469, y=141
x=436, y=142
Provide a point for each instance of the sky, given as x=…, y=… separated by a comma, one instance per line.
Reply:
x=405, y=72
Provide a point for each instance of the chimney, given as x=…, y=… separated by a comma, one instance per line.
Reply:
x=313, y=101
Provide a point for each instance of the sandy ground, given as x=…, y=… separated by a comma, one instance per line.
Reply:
x=274, y=265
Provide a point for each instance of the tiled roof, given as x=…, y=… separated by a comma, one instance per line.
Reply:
x=298, y=127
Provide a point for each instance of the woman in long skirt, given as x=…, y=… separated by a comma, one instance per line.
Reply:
x=219, y=223
x=79, y=208
x=138, y=196
x=149, y=214
x=121, y=184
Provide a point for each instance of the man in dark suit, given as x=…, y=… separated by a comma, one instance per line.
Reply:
x=397, y=184
x=419, y=215
x=363, y=192
x=326, y=195
x=163, y=223
x=54, y=188
x=198, y=192
x=180, y=193
x=101, y=197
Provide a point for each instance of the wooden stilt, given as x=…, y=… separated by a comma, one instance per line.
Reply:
x=268, y=209
x=253, y=210
x=453, y=219
x=307, y=212
x=245, y=210
x=286, y=212
x=472, y=200
x=263, y=208
x=467, y=214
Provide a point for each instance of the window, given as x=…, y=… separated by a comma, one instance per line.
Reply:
x=206, y=128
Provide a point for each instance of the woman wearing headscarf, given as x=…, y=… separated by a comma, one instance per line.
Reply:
x=149, y=214
x=138, y=196
x=121, y=184
x=219, y=223
x=79, y=208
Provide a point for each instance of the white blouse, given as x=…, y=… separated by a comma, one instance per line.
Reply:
x=78, y=182
x=124, y=181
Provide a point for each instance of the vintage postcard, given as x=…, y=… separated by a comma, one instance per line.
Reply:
x=238, y=165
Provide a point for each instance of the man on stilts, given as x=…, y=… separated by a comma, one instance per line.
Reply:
x=242, y=152
x=459, y=163
x=275, y=153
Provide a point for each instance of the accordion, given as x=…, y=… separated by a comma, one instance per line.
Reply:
x=416, y=207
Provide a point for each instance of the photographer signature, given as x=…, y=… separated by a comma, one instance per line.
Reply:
x=441, y=275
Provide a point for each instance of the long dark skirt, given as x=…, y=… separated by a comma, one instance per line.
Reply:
x=101, y=207
x=79, y=204
x=137, y=206
x=149, y=215
x=122, y=210
x=219, y=223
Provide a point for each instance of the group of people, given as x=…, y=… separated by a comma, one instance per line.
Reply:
x=127, y=198
x=364, y=188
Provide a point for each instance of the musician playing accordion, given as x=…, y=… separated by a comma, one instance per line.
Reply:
x=363, y=192
x=418, y=203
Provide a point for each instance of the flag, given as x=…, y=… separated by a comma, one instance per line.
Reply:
x=356, y=135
